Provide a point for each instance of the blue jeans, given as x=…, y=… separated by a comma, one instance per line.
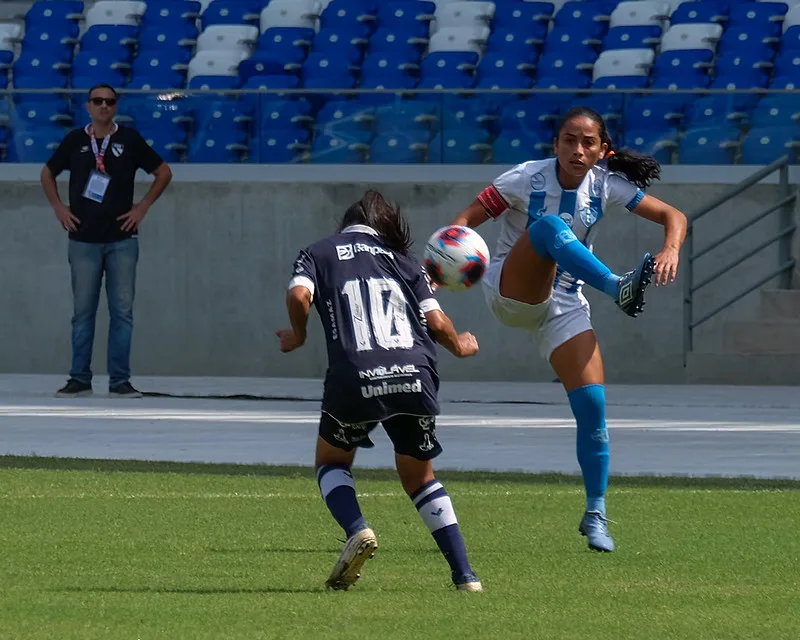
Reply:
x=88, y=261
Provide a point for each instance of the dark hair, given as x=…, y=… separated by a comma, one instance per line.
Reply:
x=102, y=86
x=373, y=211
x=641, y=169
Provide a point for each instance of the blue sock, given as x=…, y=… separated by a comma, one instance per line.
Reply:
x=436, y=510
x=589, y=407
x=338, y=489
x=553, y=239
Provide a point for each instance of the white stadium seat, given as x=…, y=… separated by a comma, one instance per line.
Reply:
x=463, y=14
x=216, y=63
x=115, y=12
x=459, y=39
x=691, y=36
x=623, y=62
x=290, y=13
x=228, y=37
x=639, y=13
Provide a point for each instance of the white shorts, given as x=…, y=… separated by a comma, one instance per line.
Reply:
x=552, y=322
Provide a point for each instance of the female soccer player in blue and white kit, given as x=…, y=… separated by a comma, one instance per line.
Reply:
x=548, y=211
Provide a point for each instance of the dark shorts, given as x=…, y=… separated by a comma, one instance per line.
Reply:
x=413, y=436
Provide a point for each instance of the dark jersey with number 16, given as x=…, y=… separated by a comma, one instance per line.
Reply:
x=372, y=303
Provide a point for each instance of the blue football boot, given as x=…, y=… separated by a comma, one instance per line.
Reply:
x=594, y=526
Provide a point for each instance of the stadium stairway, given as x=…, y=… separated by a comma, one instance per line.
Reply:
x=762, y=351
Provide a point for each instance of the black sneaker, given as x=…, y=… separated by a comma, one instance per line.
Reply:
x=124, y=390
x=630, y=294
x=74, y=389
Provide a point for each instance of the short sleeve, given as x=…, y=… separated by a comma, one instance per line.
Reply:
x=424, y=292
x=623, y=193
x=59, y=161
x=507, y=190
x=304, y=272
x=147, y=158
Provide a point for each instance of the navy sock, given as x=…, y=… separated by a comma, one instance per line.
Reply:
x=436, y=510
x=338, y=489
x=553, y=239
x=589, y=407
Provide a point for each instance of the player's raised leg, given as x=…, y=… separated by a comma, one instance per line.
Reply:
x=555, y=243
x=337, y=486
x=579, y=366
x=428, y=494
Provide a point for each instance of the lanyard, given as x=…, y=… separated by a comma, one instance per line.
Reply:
x=99, y=153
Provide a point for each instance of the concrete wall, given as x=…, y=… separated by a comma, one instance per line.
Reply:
x=215, y=257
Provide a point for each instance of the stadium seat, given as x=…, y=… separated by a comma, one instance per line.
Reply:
x=659, y=143
x=459, y=39
x=691, y=36
x=398, y=147
x=34, y=145
x=279, y=147
x=51, y=15
x=328, y=149
x=472, y=13
x=638, y=37
x=709, y=145
x=115, y=12
x=460, y=147
x=628, y=67
x=208, y=147
x=764, y=145
x=698, y=11
x=232, y=12
x=633, y=13
x=290, y=13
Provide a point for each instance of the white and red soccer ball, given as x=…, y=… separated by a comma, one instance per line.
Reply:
x=456, y=257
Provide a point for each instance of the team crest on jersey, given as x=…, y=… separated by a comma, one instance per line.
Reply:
x=538, y=182
x=567, y=218
x=117, y=149
x=596, y=188
x=588, y=216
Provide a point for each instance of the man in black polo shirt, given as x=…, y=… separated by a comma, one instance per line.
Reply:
x=103, y=223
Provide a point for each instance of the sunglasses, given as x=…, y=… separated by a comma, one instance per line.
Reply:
x=98, y=101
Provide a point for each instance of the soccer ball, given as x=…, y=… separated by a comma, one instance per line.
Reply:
x=456, y=257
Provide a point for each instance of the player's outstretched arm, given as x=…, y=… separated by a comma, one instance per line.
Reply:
x=461, y=345
x=474, y=215
x=298, y=304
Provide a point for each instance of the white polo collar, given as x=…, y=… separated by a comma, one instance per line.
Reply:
x=360, y=228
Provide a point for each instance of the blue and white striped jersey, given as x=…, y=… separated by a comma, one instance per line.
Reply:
x=531, y=190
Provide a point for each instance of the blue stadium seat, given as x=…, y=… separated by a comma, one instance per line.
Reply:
x=171, y=152
x=113, y=41
x=28, y=65
x=51, y=83
x=709, y=110
x=530, y=115
x=689, y=67
x=765, y=145
x=389, y=71
x=790, y=40
x=446, y=86
x=290, y=44
x=632, y=37
x=514, y=147
x=231, y=117
x=36, y=114
x=507, y=41
x=329, y=149
x=214, y=82
x=466, y=113
x=393, y=41
x=589, y=19
x=266, y=64
x=180, y=35
x=759, y=18
x=741, y=41
x=398, y=147
x=328, y=71
x=778, y=110
x=92, y=63
x=335, y=43
x=608, y=105
x=158, y=71
x=412, y=18
x=787, y=65
x=232, y=12
x=522, y=16
x=709, y=145
x=35, y=145
x=161, y=13
x=283, y=115
x=407, y=116
x=211, y=147
x=279, y=147
x=53, y=15
x=698, y=12
x=49, y=44
x=460, y=147
x=348, y=119
x=442, y=65
x=659, y=143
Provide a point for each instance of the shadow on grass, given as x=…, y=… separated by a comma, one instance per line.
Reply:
x=476, y=477
x=200, y=591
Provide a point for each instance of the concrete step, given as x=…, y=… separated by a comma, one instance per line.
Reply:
x=756, y=336
x=743, y=369
x=780, y=304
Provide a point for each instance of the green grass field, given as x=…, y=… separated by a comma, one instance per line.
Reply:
x=119, y=550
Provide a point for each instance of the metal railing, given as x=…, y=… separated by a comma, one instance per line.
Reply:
x=785, y=205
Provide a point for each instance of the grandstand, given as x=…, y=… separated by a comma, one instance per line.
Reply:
x=445, y=81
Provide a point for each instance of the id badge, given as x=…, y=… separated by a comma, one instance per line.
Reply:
x=96, y=186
